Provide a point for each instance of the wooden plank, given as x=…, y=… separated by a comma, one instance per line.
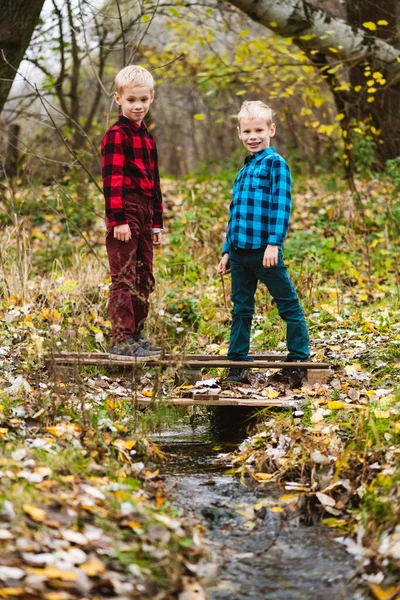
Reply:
x=223, y=401
x=175, y=357
x=127, y=361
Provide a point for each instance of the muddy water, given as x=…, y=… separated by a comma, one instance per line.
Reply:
x=262, y=557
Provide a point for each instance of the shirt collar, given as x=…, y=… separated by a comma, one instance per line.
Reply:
x=259, y=155
x=126, y=121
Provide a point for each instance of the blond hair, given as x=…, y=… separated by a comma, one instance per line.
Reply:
x=133, y=75
x=255, y=110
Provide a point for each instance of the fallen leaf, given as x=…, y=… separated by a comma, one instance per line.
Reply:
x=11, y=591
x=74, y=537
x=54, y=573
x=125, y=444
x=381, y=594
x=335, y=405
x=11, y=573
x=382, y=414
x=37, y=514
x=93, y=567
x=325, y=499
x=263, y=476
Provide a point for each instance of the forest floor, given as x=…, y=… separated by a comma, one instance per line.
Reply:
x=85, y=511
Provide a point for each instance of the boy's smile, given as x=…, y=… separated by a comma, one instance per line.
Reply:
x=135, y=102
x=255, y=134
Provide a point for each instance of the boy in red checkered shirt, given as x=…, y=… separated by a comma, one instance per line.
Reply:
x=133, y=199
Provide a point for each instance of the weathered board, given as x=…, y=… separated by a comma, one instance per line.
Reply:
x=223, y=401
x=187, y=361
x=188, y=365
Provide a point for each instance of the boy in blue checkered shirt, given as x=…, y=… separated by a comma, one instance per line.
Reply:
x=258, y=222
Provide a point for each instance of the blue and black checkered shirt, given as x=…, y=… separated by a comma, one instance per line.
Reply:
x=261, y=202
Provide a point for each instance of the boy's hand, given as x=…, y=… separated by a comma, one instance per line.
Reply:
x=223, y=266
x=270, y=257
x=157, y=238
x=122, y=232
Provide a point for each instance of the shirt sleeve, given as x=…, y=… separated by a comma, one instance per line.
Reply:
x=113, y=162
x=281, y=201
x=157, y=197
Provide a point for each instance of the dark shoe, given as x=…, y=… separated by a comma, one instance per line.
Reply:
x=237, y=375
x=146, y=344
x=294, y=376
x=130, y=347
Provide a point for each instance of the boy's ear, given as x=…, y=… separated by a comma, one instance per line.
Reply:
x=239, y=133
x=151, y=96
x=272, y=130
x=117, y=98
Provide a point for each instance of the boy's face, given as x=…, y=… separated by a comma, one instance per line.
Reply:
x=135, y=102
x=255, y=134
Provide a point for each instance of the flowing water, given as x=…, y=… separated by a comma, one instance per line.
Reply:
x=262, y=557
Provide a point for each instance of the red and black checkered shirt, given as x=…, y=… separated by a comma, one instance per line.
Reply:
x=130, y=166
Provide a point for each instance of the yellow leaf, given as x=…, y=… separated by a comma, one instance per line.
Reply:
x=37, y=514
x=273, y=24
x=277, y=509
x=381, y=594
x=370, y=25
x=124, y=444
x=54, y=431
x=263, y=476
x=377, y=75
x=332, y=522
x=244, y=32
x=382, y=414
x=340, y=117
x=93, y=567
x=54, y=573
x=134, y=524
x=397, y=426
x=358, y=88
x=199, y=116
x=272, y=394
x=335, y=405
x=382, y=22
x=332, y=49
x=160, y=500
x=147, y=393
x=288, y=498
x=11, y=591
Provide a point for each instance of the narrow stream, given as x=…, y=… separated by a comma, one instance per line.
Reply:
x=266, y=557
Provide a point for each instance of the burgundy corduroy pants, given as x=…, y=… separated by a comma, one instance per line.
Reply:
x=131, y=270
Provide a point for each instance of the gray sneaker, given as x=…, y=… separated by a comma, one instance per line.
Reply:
x=146, y=343
x=130, y=347
x=237, y=375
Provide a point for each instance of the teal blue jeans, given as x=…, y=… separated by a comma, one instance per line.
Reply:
x=246, y=271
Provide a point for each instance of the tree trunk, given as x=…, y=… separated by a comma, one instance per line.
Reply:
x=17, y=22
x=11, y=166
x=384, y=112
x=314, y=29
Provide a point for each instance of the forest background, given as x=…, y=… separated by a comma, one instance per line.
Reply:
x=330, y=70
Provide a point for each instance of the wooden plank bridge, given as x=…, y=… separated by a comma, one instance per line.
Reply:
x=189, y=366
